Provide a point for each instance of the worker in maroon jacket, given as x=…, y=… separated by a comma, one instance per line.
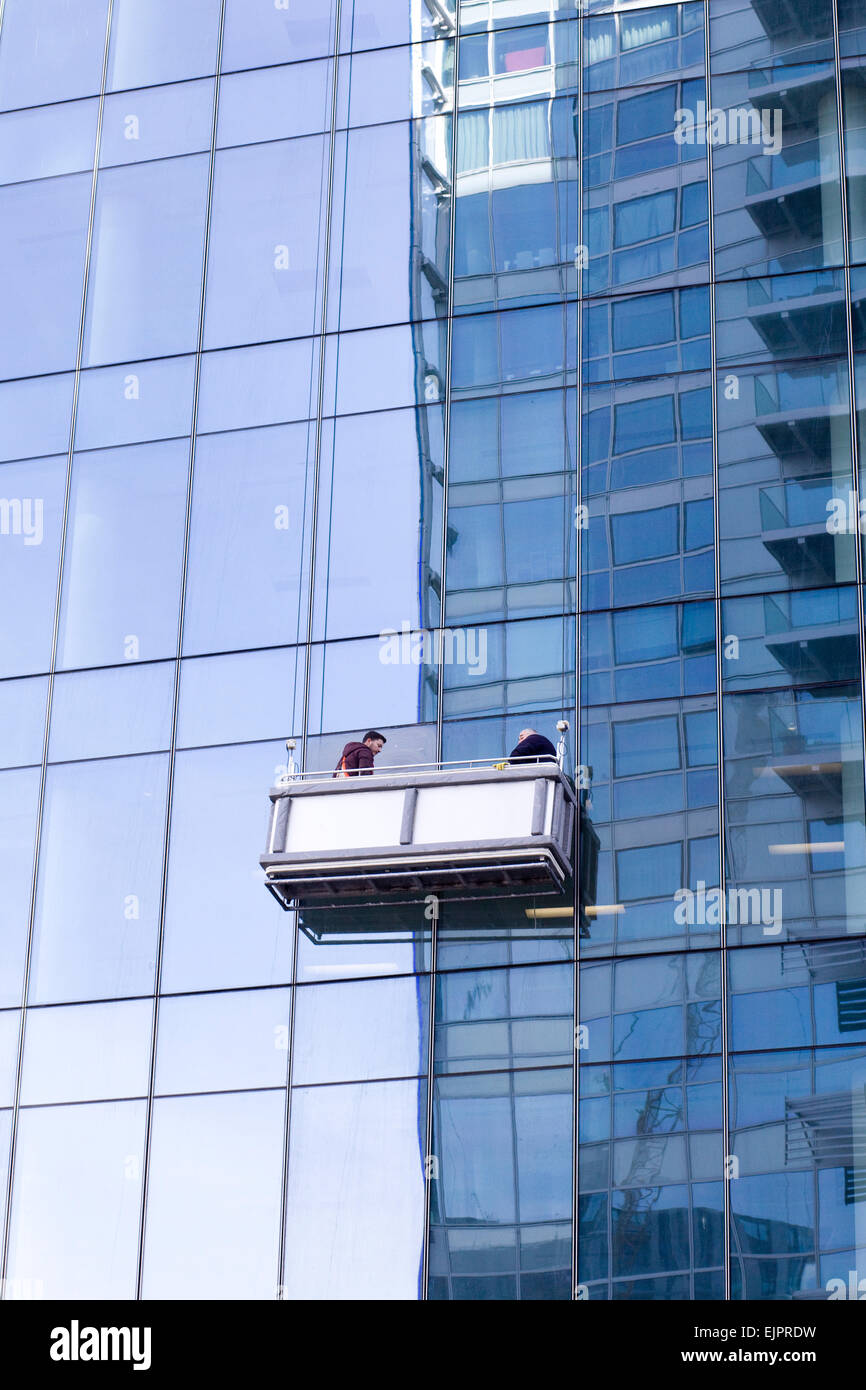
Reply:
x=356, y=759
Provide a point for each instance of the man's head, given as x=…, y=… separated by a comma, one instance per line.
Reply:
x=375, y=741
x=524, y=733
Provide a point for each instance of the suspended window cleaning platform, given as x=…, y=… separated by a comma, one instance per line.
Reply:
x=452, y=828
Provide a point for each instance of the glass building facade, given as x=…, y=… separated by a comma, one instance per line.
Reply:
x=534, y=333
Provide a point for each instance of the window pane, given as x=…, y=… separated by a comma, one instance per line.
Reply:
x=261, y=33
x=19, y=806
x=99, y=880
x=233, y=934
x=51, y=50
x=31, y=511
x=121, y=585
x=133, y=403
x=10, y=1021
x=42, y=251
x=264, y=248
x=106, y=713
x=341, y=1013
x=47, y=141
x=222, y=1042
x=161, y=41
x=355, y=1218
x=35, y=416
x=154, y=124
x=22, y=721
x=251, y=695
x=145, y=279
x=370, y=546
x=249, y=520
x=212, y=1228
x=258, y=386
x=88, y=1052
x=274, y=103
x=76, y=1203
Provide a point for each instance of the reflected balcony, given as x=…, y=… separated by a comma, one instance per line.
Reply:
x=814, y=651
x=801, y=314
x=828, y=1131
x=810, y=745
x=783, y=192
x=790, y=20
x=794, y=531
x=824, y=962
x=801, y=412
x=455, y=829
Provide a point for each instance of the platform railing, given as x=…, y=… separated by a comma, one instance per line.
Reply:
x=423, y=769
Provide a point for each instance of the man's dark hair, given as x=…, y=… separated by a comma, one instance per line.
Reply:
x=373, y=733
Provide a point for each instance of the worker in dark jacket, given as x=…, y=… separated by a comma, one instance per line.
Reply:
x=532, y=747
x=356, y=759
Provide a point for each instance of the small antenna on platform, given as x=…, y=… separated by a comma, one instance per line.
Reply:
x=563, y=727
x=291, y=765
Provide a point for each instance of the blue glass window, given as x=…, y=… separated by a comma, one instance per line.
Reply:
x=694, y=311
x=701, y=738
x=473, y=57
x=645, y=745
x=645, y=635
x=695, y=413
x=650, y=113
x=645, y=535
x=639, y=219
x=643, y=320
x=524, y=226
x=694, y=204
x=472, y=254
x=651, y=872
x=639, y=423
